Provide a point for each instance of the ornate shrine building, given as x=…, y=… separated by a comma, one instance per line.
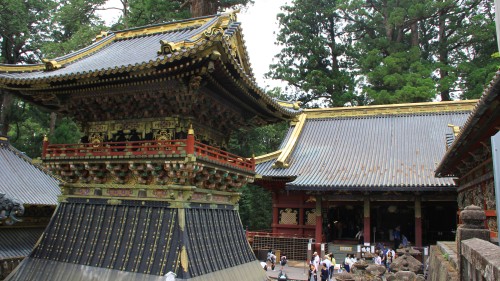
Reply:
x=150, y=190
x=469, y=157
x=28, y=198
x=369, y=168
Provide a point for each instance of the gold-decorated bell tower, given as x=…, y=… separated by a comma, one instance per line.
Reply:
x=150, y=189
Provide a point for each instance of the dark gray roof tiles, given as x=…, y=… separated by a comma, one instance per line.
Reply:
x=18, y=242
x=24, y=181
x=390, y=152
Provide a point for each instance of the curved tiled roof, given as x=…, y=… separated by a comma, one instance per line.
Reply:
x=22, y=180
x=18, y=242
x=136, y=50
x=395, y=150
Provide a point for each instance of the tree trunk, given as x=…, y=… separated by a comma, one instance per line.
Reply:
x=414, y=34
x=443, y=55
x=200, y=8
x=52, y=126
x=4, y=114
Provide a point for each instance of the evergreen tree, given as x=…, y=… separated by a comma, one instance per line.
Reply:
x=145, y=12
x=388, y=49
x=24, y=26
x=316, y=57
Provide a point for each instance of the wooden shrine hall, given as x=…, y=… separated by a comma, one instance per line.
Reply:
x=370, y=169
x=150, y=190
x=469, y=158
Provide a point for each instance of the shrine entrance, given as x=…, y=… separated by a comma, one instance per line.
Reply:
x=385, y=216
x=345, y=219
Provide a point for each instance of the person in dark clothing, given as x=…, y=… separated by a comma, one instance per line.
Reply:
x=134, y=137
x=324, y=272
x=312, y=272
x=120, y=137
x=397, y=237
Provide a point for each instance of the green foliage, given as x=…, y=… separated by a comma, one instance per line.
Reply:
x=76, y=26
x=385, y=51
x=402, y=77
x=66, y=131
x=28, y=126
x=146, y=12
x=24, y=26
x=314, y=59
x=255, y=207
x=257, y=141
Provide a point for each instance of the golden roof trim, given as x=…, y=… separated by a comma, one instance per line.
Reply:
x=223, y=21
x=48, y=64
x=293, y=105
x=391, y=109
x=267, y=157
x=281, y=162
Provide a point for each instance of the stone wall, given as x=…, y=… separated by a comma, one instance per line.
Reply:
x=442, y=263
x=480, y=258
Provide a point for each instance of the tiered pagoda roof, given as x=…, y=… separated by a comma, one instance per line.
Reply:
x=206, y=52
x=367, y=148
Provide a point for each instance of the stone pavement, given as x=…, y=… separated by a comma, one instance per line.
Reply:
x=294, y=270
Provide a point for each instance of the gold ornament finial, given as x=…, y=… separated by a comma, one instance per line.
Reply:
x=45, y=138
x=456, y=129
x=191, y=130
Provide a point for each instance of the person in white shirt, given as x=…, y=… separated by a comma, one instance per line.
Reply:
x=328, y=263
x=377, y=259
x=316, y=262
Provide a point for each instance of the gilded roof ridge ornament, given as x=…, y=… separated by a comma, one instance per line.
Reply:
x=168, y=47
x=101, y=35
x=455, y=128
x=51, y=64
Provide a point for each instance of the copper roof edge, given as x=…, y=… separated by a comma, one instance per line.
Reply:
x=391, y=109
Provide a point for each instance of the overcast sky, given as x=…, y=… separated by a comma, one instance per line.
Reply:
x=259, y=25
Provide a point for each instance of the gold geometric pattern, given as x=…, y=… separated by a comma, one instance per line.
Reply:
x=310, y=217
x=289, y=216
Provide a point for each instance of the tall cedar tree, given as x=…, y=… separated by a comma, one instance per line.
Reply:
x=388, y=49
x=398, y=50
x=316, y=56
x=23, y=27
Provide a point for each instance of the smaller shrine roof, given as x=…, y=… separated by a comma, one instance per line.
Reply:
x=23, y=180
x=18, y=242
x=477, y=130
x=372, y=148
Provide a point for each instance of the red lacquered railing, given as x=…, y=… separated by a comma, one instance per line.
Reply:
x=166, y=147
x=219, y=155
x=148, y=147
